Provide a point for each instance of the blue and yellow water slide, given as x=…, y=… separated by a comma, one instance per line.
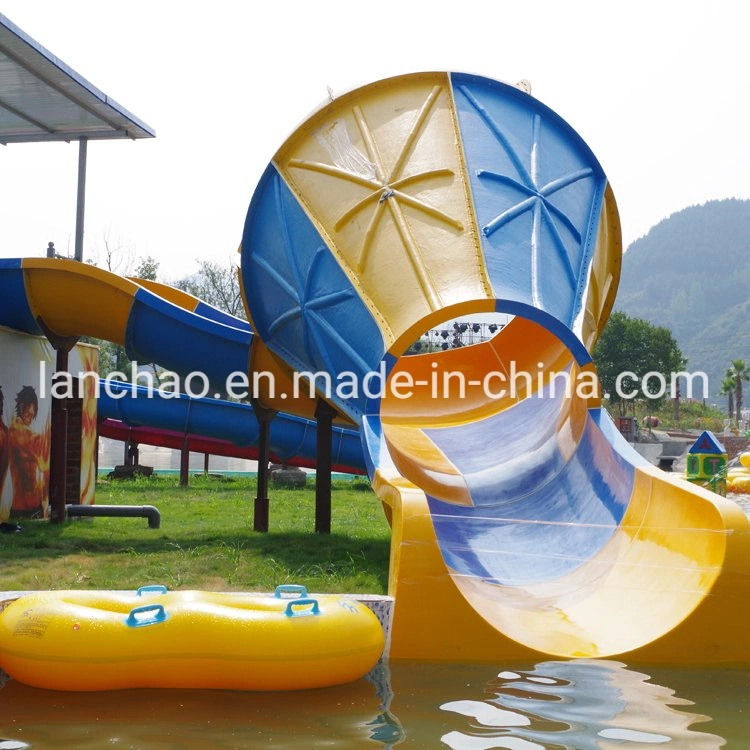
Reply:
x=157, y=323
x=523, y=523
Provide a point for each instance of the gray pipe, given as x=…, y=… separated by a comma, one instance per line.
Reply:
x=117, y=511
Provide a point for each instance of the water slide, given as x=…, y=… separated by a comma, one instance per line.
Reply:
x=523, y=523
x=219, y=427
x=222, y=428
x=180, y=333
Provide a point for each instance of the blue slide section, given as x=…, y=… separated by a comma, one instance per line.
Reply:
x=537, y=191
x=291, y=436
x=181, y=341
x=313, y=316
x=15, y=311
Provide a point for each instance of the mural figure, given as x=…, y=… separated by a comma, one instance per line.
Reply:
x=4, y=458
x=29, y=468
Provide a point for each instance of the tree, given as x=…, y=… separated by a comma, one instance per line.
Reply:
x=216, y=285
x=727, y=389
x=738, y=371
x=632, y=345
x=146, y=269
x=113, y=256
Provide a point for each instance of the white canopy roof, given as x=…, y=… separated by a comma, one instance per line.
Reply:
x=42, y=99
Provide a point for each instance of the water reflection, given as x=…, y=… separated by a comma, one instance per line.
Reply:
x=583, y=705
x=349, y=716
x=580, y=705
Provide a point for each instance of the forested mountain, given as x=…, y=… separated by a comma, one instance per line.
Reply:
x=691, y=274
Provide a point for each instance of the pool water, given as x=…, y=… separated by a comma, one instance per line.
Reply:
x=552, y=704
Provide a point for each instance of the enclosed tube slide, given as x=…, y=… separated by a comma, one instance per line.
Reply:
x=223, y=427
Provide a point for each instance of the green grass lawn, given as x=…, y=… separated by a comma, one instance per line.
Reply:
x=206, y=541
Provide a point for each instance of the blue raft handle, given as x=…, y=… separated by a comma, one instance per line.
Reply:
x=156, y=588
x=290, y=589
x=158, y=614
x=309, y=610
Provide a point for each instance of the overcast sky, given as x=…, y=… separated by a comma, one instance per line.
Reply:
x=659, y=89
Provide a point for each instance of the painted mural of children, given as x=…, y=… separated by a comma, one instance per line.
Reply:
x=28, y=459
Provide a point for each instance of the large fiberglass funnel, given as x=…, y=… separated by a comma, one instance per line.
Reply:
x=522, y=521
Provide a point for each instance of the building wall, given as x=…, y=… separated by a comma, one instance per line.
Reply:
x=26, y=368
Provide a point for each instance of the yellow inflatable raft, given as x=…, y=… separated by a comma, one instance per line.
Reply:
x=95, y=640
